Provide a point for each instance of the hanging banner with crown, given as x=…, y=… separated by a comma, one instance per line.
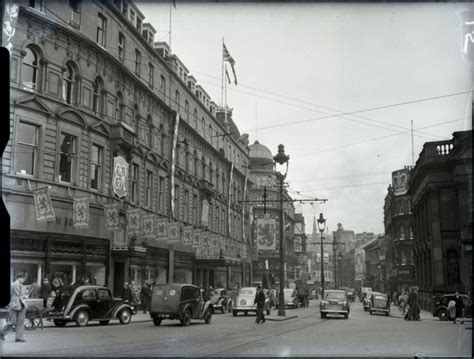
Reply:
x=133, y=221
x=187, y=235
x=111, y=214
x=43, y=205
x=174, y=231
x=80, y=217
x=148, y=225
x=266, y=233
x=205, y=213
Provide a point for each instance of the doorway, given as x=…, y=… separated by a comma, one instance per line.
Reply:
x=119, y=278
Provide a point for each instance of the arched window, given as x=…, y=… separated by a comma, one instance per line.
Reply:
x=97, y=100
x=30, y=69
x=68, y=84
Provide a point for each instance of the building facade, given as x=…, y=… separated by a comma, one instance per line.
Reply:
x=375, y=267
x=398, y=221
x=119, y=167
x=440, y=188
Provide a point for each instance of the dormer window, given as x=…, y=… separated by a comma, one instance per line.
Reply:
x=139, y=24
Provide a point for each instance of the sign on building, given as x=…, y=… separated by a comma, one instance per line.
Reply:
x=266, y=233
x=120, y=177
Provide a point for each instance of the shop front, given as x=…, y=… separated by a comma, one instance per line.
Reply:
x=221, y=273
x=183, y=267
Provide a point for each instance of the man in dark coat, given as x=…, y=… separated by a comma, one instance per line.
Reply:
x=127, y=294
x=459, y=308
x=146, y=296
x=260, y=301
x=45, y=291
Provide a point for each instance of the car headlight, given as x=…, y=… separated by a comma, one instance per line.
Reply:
x=324, y=302
x=344, y=303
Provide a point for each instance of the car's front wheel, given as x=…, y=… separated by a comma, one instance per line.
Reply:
x=157, y=321
x=125, y=316
x=268, y=311
x=370, y=312
x=346, y=316
x=82, y=318
x=208, y=317
x=443, y=314
x=234, y=313
x=323, y=315
x=186, y=319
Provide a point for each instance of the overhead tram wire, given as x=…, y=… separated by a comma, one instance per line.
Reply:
x=314, y=104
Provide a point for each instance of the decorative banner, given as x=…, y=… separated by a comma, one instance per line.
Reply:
x=173, y=161
x=266, y=233
x=205, y=213
x=148, y=225
x=197, y=235
x=231, y=175
x=187, y=237
x=162, y=229
x=243, y=206
x=111, y=213
x=174, y=231
x=43, y=205
x=120, y=177
x=205, y=240
x=80, y=215
x=9, y=24
x=133, y=221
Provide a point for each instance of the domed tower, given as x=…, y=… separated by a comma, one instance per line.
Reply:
x=261, y=157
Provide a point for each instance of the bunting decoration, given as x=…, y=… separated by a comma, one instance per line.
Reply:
x=230, y=194
x=174, y=231
x=173, y=161
x=80, y=216
x=133, y=221
x=187, y=237
x=227, y=57
x=43, y=205
x=161, y=229
x=111, y=213
x=148, y=225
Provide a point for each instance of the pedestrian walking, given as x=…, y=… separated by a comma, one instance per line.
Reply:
x=260, y=301
x=403, y=302
x=145, y=297
x=45, y=292
x=17, y=308
x=127, y=295
x=459, y=308
x=452, y=309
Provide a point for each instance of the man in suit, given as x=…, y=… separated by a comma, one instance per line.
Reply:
x=260, y=301
x=17, y=307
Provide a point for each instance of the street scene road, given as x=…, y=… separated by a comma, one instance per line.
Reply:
x=307, y=335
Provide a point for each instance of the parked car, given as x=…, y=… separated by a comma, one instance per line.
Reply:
x=440, y=307
x=245, y=302
x=367, y=301
x=219, y=300
x=363, y=292
x=85, y=303
x=334, y=302
x=379, y=304
x=350, y=294
x=291, y=298
x=179, y=301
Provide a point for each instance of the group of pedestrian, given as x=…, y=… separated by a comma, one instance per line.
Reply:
x=413, y=312
x=145, y=296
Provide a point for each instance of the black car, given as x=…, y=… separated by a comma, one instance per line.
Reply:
x=84, y=303
x=440, y=307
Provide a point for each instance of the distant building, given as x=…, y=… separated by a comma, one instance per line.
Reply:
x=398, y=220
x=375, y=264
x=440, y=188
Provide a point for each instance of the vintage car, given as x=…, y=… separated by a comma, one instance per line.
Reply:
x=440, y=307
x=367, y=301
x=219, y=299
x=379, y=303
x=84, y=303
x=245, y=302
x=291, y=298
x=179, y=301
x=334, y=302
x=350, y=294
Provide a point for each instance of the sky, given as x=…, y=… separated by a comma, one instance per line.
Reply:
x=337, y=84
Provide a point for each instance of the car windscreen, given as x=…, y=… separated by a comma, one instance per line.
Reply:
x=380, y=297
x=334, y=295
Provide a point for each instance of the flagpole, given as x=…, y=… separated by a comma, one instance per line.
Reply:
x=222, y=83
x=171, y=12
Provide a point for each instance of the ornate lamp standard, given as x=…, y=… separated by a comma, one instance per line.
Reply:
x=321, y=227
x=281, y=158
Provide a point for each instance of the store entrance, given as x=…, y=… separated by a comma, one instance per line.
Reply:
x=119, y=278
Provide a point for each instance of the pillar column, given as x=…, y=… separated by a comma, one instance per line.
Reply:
x=73, y=273
x=171, y=266
x=229, y=276
x=39, y=273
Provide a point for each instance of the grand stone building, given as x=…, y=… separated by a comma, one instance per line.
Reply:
x=97, y=106
x=440, y=188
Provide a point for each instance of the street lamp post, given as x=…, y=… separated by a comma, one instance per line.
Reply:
x=334, y=248
x=281, y=158
x=322, y=226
